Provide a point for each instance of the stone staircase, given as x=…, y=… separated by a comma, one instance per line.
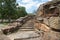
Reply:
x=28, y=26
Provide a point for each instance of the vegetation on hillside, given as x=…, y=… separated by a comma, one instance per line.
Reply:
x=9, y=10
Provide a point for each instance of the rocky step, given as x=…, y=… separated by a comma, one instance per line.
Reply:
x=26, y=29
x=29, y=38
x=24, y=35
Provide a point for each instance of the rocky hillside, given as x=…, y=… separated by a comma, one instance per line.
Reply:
x=45, y=24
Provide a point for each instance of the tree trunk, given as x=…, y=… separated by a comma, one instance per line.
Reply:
x=9, y=20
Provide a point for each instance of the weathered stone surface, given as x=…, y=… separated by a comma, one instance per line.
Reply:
x=46, y=21
x=3, y=37
x=51, y=36
x=54, y=22
x=23, y=35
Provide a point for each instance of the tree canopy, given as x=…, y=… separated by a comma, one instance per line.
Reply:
x=21, y=11
x=9, y=10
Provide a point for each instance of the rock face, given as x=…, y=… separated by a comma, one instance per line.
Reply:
x=54, y=22
x=51, y=36
x=50, y=12
x=55, y=0
x=49, y=9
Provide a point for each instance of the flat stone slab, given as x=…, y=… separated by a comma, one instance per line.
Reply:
x=23, y=35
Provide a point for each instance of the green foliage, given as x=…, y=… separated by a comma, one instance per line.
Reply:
x=8, y=10
x=21, y=11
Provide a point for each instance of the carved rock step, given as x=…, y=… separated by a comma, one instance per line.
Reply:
x=29, y=38
x=26, y=29
x=21, y=35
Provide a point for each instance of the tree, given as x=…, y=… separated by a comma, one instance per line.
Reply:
x=21, y=12
x=8, y=10
x=1, y=10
